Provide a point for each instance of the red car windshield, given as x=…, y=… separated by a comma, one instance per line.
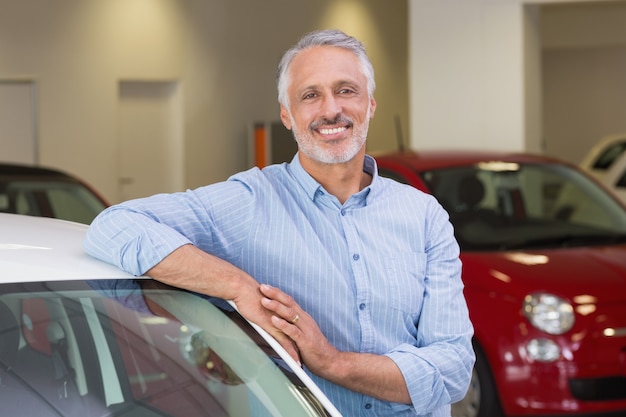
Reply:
x=504, y=205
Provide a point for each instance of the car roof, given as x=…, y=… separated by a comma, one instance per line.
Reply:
x=44, y=249
x=437, y=159
x=9, y=169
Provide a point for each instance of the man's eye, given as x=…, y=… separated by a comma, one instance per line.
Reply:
x=346, y=91
x=309, y=96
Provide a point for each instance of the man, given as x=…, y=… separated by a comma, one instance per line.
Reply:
x=357, y=276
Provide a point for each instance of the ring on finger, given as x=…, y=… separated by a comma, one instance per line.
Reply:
x=295, y=319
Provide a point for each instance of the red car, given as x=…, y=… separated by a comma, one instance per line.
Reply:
x=544, y=265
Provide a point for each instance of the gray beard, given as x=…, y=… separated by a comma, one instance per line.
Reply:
x=348, y=149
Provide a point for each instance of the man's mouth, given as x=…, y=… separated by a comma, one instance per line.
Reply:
x=328, y=127
x=332, y=131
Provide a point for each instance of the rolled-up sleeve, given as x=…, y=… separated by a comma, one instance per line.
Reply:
x=137, y=234
x=130, y=240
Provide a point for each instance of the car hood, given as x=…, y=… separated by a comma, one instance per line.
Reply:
x=44, y=249
x=596, y=271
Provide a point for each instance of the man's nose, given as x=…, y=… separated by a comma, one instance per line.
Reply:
x=331, y=107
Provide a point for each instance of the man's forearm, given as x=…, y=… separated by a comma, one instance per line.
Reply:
x=195, y=270
x=374, y=375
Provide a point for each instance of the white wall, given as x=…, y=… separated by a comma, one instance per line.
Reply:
x=466, y=74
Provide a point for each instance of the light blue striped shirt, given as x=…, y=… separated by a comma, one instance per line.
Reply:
x=380, y=274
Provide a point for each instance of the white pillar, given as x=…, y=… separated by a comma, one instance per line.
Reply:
x=474, y=75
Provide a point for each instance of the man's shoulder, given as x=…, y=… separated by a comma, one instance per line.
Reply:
x=266, y=174
x=267, y=181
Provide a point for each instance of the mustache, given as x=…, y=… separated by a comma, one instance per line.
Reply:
x=340, y=118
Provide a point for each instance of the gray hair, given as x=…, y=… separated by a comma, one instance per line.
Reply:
x=330, y=37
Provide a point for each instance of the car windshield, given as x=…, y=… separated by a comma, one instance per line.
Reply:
x=59, y=199
x=501, y=206
x=137, y=348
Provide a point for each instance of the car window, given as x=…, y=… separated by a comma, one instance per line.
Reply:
x=621, y=181
x=608, y=156
x=111, y=347
x=62, y=200
x=509, y=205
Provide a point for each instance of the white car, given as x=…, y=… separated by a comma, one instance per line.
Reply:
x=604, y=154
x=81, y=338
x=606, y=161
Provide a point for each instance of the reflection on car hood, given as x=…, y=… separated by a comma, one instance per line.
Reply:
x=43, y=249
x=597, y=271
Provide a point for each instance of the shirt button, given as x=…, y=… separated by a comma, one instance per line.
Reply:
x=343, y=212
x=362, y=306
x=356, y=257
x=368, y=406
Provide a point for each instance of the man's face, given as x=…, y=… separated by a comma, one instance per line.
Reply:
x=330, y=107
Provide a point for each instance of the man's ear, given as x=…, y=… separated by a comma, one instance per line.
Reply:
x=372, y=107
x=284, y=117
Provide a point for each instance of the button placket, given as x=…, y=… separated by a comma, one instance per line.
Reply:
x=361, y=280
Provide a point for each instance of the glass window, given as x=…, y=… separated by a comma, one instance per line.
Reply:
x=500, y=205
x=58, y=199
x=112, y=347
x=621, y=181
x=609, y=155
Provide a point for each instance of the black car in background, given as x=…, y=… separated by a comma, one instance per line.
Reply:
x=47, y=192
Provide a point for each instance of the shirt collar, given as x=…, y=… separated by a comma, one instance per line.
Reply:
x=311, y=186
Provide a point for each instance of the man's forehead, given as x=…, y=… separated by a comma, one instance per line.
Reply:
x=326, y=64
x=328, y=51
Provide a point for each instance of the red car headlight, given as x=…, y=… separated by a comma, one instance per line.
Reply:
x=549, y=313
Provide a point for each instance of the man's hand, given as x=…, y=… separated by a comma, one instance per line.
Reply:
x=374, y=375
x=250, y=305
x=316, y=352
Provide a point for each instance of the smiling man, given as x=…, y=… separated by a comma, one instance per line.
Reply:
x=357, y=276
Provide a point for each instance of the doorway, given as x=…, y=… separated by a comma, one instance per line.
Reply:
x=150, y=158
